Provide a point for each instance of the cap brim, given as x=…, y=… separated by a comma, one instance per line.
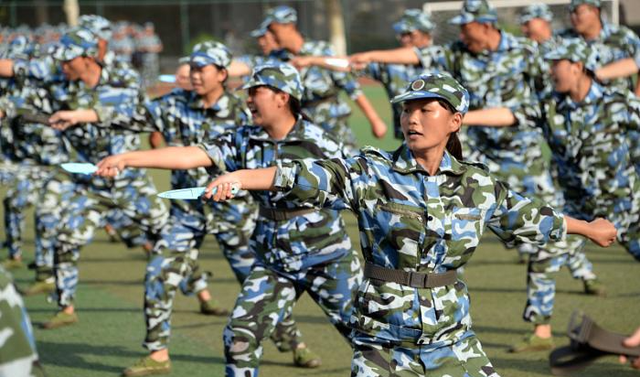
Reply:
x=461, y=19
x=251, y=83
x=413, y=95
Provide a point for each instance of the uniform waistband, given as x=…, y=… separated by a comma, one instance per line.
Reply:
x=281, y=214
x=411, y=279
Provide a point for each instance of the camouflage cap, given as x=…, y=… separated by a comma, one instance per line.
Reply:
x=210, y=52
x=281, y=15
x=533, y=11
x=100, y=26
x=414, y=19
x=436, y=85
x=261, y=30
x=77, y=42
x=475, y=10
x=575, y=50
x=184, y=60
x=575, y=3
x=281, y=76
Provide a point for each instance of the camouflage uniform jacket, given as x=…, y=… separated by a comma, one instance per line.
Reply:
x=305, y=240
x=115, y=99
x=18, y=356
x=184, y=121
x=320, y=99
x=395, y=78
x=411, y=221
x=590, y=148
x=613, y=43
x=502, y=78
x=33, y=143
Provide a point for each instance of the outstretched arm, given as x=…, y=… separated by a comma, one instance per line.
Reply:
x=174, y=158
x=245, y=179
x=238, y=68
x=378, y=127
x=328, y=62
x=619, y=68
x=600, y=231
x=403, y=55
x=6, y=67
x=496, y=117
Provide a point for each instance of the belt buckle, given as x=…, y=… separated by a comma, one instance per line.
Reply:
x=417, y=280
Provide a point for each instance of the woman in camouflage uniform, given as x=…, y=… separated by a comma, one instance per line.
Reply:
x=421, y=213
x=298, y=248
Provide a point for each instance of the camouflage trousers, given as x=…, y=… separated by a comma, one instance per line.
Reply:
x=268, y=296
x=175, y=264
x=375, y=357
x=23, y=192
x=541, y=272
x=17, y=344
x=127, y=229
x=7, y=172
x=535, y=180
x=77, y=209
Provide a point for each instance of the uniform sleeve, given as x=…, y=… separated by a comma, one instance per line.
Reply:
x=117, y=106
x=44, y=69
x=344, y=80
x=436, y=58
x=223, y=151
x=632, y=44
x=322, y=183
x=519, y=219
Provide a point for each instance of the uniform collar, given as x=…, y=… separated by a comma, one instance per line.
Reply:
x=296, y=133
x=196, y=102
x=594, y=95
x=405, y=163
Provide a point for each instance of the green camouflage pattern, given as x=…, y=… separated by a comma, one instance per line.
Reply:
x=210, y=52
x=75, y=43
x=310, y=252
x=576, y=3
x=463, y=359
x=574, y=50
x=414, y=19
x=536, y=10
x=98, y=25
x=18, y=356
x=321, y=100
x=411, y=221
x=614, y=43
x=590, y=141
x=475, y=11
x=280, y=76
x=281, y=15
x=437, y=85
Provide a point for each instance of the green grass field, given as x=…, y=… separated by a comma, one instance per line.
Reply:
x=111, y=327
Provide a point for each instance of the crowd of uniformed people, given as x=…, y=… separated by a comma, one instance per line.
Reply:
x=280, y=163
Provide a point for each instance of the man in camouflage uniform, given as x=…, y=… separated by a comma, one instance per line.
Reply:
x=267, y=44
x=413, y=30
x=613, y=44
x=321, y=99
x=18, y=355
x=34, y=149
x=411, y=314
x=98, y=98
x=150, y=46
x=584, y=133
x=501, y=70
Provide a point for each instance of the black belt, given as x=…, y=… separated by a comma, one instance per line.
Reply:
x=588, y=342
x=411, y=279
x=281, y=214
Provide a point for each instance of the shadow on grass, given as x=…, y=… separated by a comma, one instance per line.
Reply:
x=541, y=367
x=73, y=355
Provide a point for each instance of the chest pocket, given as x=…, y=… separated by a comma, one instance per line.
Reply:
x=402, y=228
x=467, y=226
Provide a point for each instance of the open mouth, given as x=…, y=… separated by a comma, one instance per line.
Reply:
x=413, y=133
